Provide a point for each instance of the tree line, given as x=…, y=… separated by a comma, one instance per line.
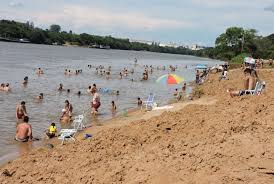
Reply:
x=55, y=35
x=232, y=45
x=236, y=43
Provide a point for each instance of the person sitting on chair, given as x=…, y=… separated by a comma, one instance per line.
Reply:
x=249, y=84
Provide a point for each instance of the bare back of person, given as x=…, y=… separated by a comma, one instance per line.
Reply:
x=23, y=132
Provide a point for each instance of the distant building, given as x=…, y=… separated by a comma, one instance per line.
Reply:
x=197, y=47
x=142, y=41
x=171, y=44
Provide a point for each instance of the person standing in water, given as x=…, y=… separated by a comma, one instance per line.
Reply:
x=113, y=106
x=96, y=103
x=21, y=111
x=139, y=101
x=67, y=111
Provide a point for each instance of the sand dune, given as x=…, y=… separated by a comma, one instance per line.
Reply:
x=216, y=139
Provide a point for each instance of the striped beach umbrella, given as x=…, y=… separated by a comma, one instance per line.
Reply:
x=170, y=79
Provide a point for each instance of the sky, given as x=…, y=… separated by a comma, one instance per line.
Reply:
x=179, y=21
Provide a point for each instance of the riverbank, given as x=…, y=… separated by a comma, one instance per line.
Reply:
x=216, y=139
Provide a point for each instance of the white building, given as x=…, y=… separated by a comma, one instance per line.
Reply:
x=142, y=41
x=196, y=47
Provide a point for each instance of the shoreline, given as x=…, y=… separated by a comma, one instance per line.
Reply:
x=217, y=138
x=133, y=114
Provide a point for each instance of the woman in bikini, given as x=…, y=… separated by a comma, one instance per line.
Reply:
x=21, y=111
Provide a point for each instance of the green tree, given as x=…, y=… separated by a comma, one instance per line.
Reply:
x=55, y=28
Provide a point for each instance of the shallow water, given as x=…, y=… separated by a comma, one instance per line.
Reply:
x=20, y=60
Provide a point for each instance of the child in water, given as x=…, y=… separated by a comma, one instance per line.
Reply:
x=52, y=131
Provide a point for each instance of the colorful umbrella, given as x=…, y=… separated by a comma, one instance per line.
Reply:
x=170, y=79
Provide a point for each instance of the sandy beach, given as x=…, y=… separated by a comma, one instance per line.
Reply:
x=214, y=139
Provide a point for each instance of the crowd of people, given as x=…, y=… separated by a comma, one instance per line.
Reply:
x=24, y=129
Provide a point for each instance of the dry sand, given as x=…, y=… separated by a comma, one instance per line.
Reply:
x=216, y=139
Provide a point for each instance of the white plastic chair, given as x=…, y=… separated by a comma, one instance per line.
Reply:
x=67, y=134
x=258, y=89
x=78, y=122
x=150, y=101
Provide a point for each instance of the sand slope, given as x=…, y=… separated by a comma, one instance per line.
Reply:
x=225, y=140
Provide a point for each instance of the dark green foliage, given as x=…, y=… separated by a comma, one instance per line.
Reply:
x=16, y=30
x=237, y=43
x=55, y=28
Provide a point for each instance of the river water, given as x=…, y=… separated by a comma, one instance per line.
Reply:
x=20, y=60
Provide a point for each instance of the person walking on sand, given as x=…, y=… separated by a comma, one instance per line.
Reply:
x=24, y=131
x=21, y=111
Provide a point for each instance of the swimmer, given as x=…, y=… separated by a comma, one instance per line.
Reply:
x=7, y=87
x=25, y=81
x=93, y=89
x=40, y=97
x=107, y=74
x=68, y=90
x=61, y=87
x=40, y=71
x=117, y=93
x=2, y=87
x=79, y=93
x=66, y=71
x=121, y=75
x=89, y=90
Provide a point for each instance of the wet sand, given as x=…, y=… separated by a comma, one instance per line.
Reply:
x=215, y=139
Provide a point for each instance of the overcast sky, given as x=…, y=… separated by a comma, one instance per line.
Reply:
x=180, y=21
